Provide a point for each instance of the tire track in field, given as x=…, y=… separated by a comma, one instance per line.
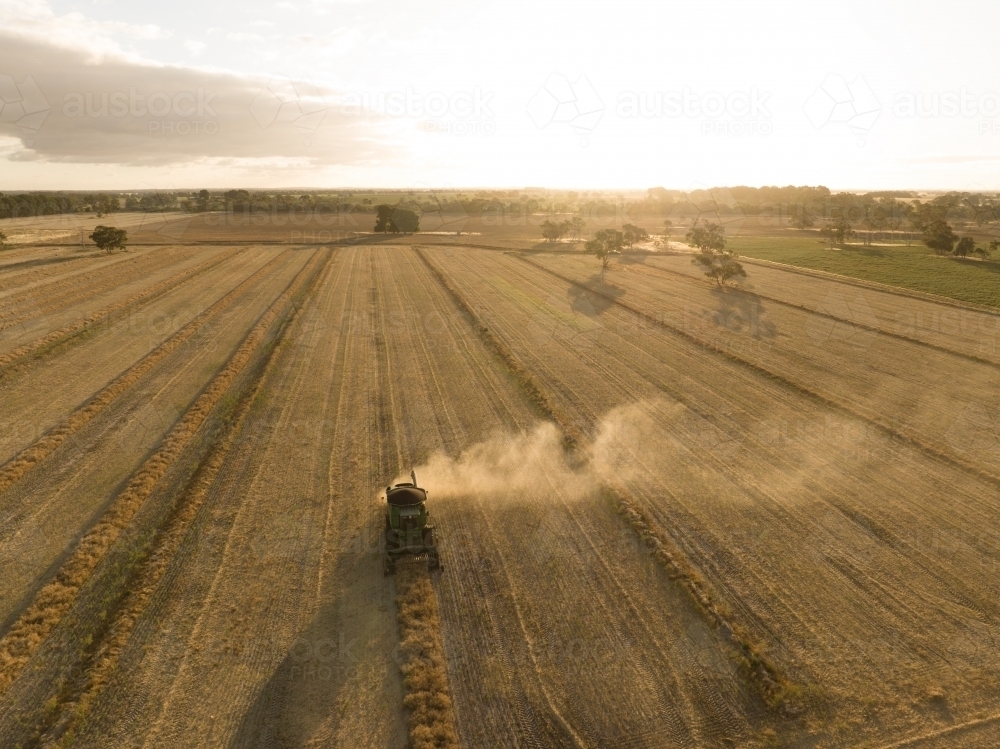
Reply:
x=449, y=422
x=765, y=675
x=885, y=429
x=51, y=603
x=858, y=581
x=957, y=572
x=712, y=721
x=40, y=346
x=29, y=457
x=105, y=646
x=396, y=404
x=760, y=492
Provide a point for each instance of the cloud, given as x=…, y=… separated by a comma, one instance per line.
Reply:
x=115, y=109
x=35, y=20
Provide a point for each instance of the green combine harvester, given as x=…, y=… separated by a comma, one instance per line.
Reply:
x=408, y=531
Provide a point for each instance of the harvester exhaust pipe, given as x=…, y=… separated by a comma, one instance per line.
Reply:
x=413, y=476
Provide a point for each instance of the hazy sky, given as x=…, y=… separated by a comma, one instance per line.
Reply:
x=321, y=93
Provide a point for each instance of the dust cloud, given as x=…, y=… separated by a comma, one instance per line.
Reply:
x=516, y=465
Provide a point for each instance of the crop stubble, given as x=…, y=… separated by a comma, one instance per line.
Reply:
x=772, y=522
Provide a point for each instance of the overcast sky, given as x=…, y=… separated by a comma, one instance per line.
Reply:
x=320, y=93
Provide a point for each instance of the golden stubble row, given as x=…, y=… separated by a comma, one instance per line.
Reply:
x=52, y=602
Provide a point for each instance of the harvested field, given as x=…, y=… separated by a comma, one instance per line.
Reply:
x=668, y=515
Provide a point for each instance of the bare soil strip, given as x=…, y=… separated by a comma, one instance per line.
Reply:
x=14, y=469
x=775, y=687
x=38, y=347
x=54, y=599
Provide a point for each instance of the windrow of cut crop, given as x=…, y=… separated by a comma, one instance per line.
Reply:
x=38, y=347
x=429, y=712
x=150, y=559
x=60, y=293
x=775, y=688
x=56, y=597
x=19, y=465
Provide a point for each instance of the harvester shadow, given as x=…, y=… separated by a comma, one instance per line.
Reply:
x=305, y=695
x=595, y=296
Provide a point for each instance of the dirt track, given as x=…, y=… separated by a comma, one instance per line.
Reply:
x=808, y=469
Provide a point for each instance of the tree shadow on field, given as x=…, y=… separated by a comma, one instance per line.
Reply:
x=741, y=311
x=583, y=299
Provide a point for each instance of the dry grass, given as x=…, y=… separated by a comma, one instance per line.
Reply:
x=24, y=461
x=46, y=342
x=430, y=717
x=55, y=598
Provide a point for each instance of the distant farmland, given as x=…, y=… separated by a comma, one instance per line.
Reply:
x=670, y=515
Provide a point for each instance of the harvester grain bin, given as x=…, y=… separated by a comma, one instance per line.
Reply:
x=408, y=531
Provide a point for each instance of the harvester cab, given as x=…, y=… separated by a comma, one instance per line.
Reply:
x=408, y=531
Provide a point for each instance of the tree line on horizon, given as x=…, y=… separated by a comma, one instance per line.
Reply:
x=802, y=207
